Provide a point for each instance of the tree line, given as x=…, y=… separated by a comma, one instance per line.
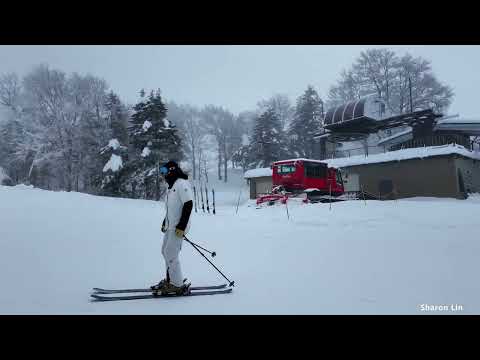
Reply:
x=71, y=132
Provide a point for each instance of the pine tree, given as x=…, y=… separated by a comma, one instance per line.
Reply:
x=117, y=118
x=155, y=140
x=268, y=143
x=114, y=156
x=241, y=156
x=306, y=123
x=13, y=156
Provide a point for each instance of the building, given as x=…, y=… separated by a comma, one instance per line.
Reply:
x=260, y=181
x=437, y=171
x=361, y=120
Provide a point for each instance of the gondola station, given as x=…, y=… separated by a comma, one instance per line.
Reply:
x=429, y=154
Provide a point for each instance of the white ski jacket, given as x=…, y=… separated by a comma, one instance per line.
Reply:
x=180, y=193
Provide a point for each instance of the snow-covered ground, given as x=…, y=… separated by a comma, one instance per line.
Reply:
x=376, y=258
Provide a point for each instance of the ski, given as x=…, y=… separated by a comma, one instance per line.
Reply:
x=97, y=297
x=120, y=291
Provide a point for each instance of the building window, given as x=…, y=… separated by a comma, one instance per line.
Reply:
x=315, y=171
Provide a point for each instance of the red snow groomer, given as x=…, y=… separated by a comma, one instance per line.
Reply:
x=311, y=179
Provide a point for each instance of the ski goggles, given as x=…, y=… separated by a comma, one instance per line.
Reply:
x=164, y=170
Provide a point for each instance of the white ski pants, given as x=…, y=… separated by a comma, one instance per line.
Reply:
x=172, y=244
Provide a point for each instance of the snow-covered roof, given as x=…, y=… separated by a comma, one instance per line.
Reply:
x=254, y=173
x=458, y=121
x=468, y=126
x=405, y=154
x=303, y=159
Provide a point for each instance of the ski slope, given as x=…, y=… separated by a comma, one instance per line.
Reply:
x=357, y=258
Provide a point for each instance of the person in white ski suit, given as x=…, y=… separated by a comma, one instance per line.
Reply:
x=178, y=207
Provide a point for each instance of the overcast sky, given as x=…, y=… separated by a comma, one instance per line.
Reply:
x=236, y=77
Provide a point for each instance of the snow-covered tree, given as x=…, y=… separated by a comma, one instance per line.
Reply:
x=14, y=153
x=115, y=155
x=268, y=142
x=193, y=133
x=219, y=123
x=155, y=140
x=388, y=75
x=237, y=134
x=282, y=106
x=241, y=156
x=306, y=122
x=117, y=117
x=22, y=134
x=4, y=178
x=55, y=127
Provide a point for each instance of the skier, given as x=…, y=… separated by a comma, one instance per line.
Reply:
x=178, y=206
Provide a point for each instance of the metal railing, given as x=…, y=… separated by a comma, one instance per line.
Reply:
x=417, y=143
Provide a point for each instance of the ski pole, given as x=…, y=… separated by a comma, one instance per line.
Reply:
x=206, y=196
x=330, y=196
x=213, y=253
x=213, y=195
x=195, y=198
x=231, y=283
x=286, y=206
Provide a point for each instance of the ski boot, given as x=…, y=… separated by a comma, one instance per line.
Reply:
x=159, y=285
x=170, y=289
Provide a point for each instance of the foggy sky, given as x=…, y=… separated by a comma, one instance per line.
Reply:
x=237, y=77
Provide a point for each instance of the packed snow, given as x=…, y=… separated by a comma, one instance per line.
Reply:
x=114, y=164
x=372, y=257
